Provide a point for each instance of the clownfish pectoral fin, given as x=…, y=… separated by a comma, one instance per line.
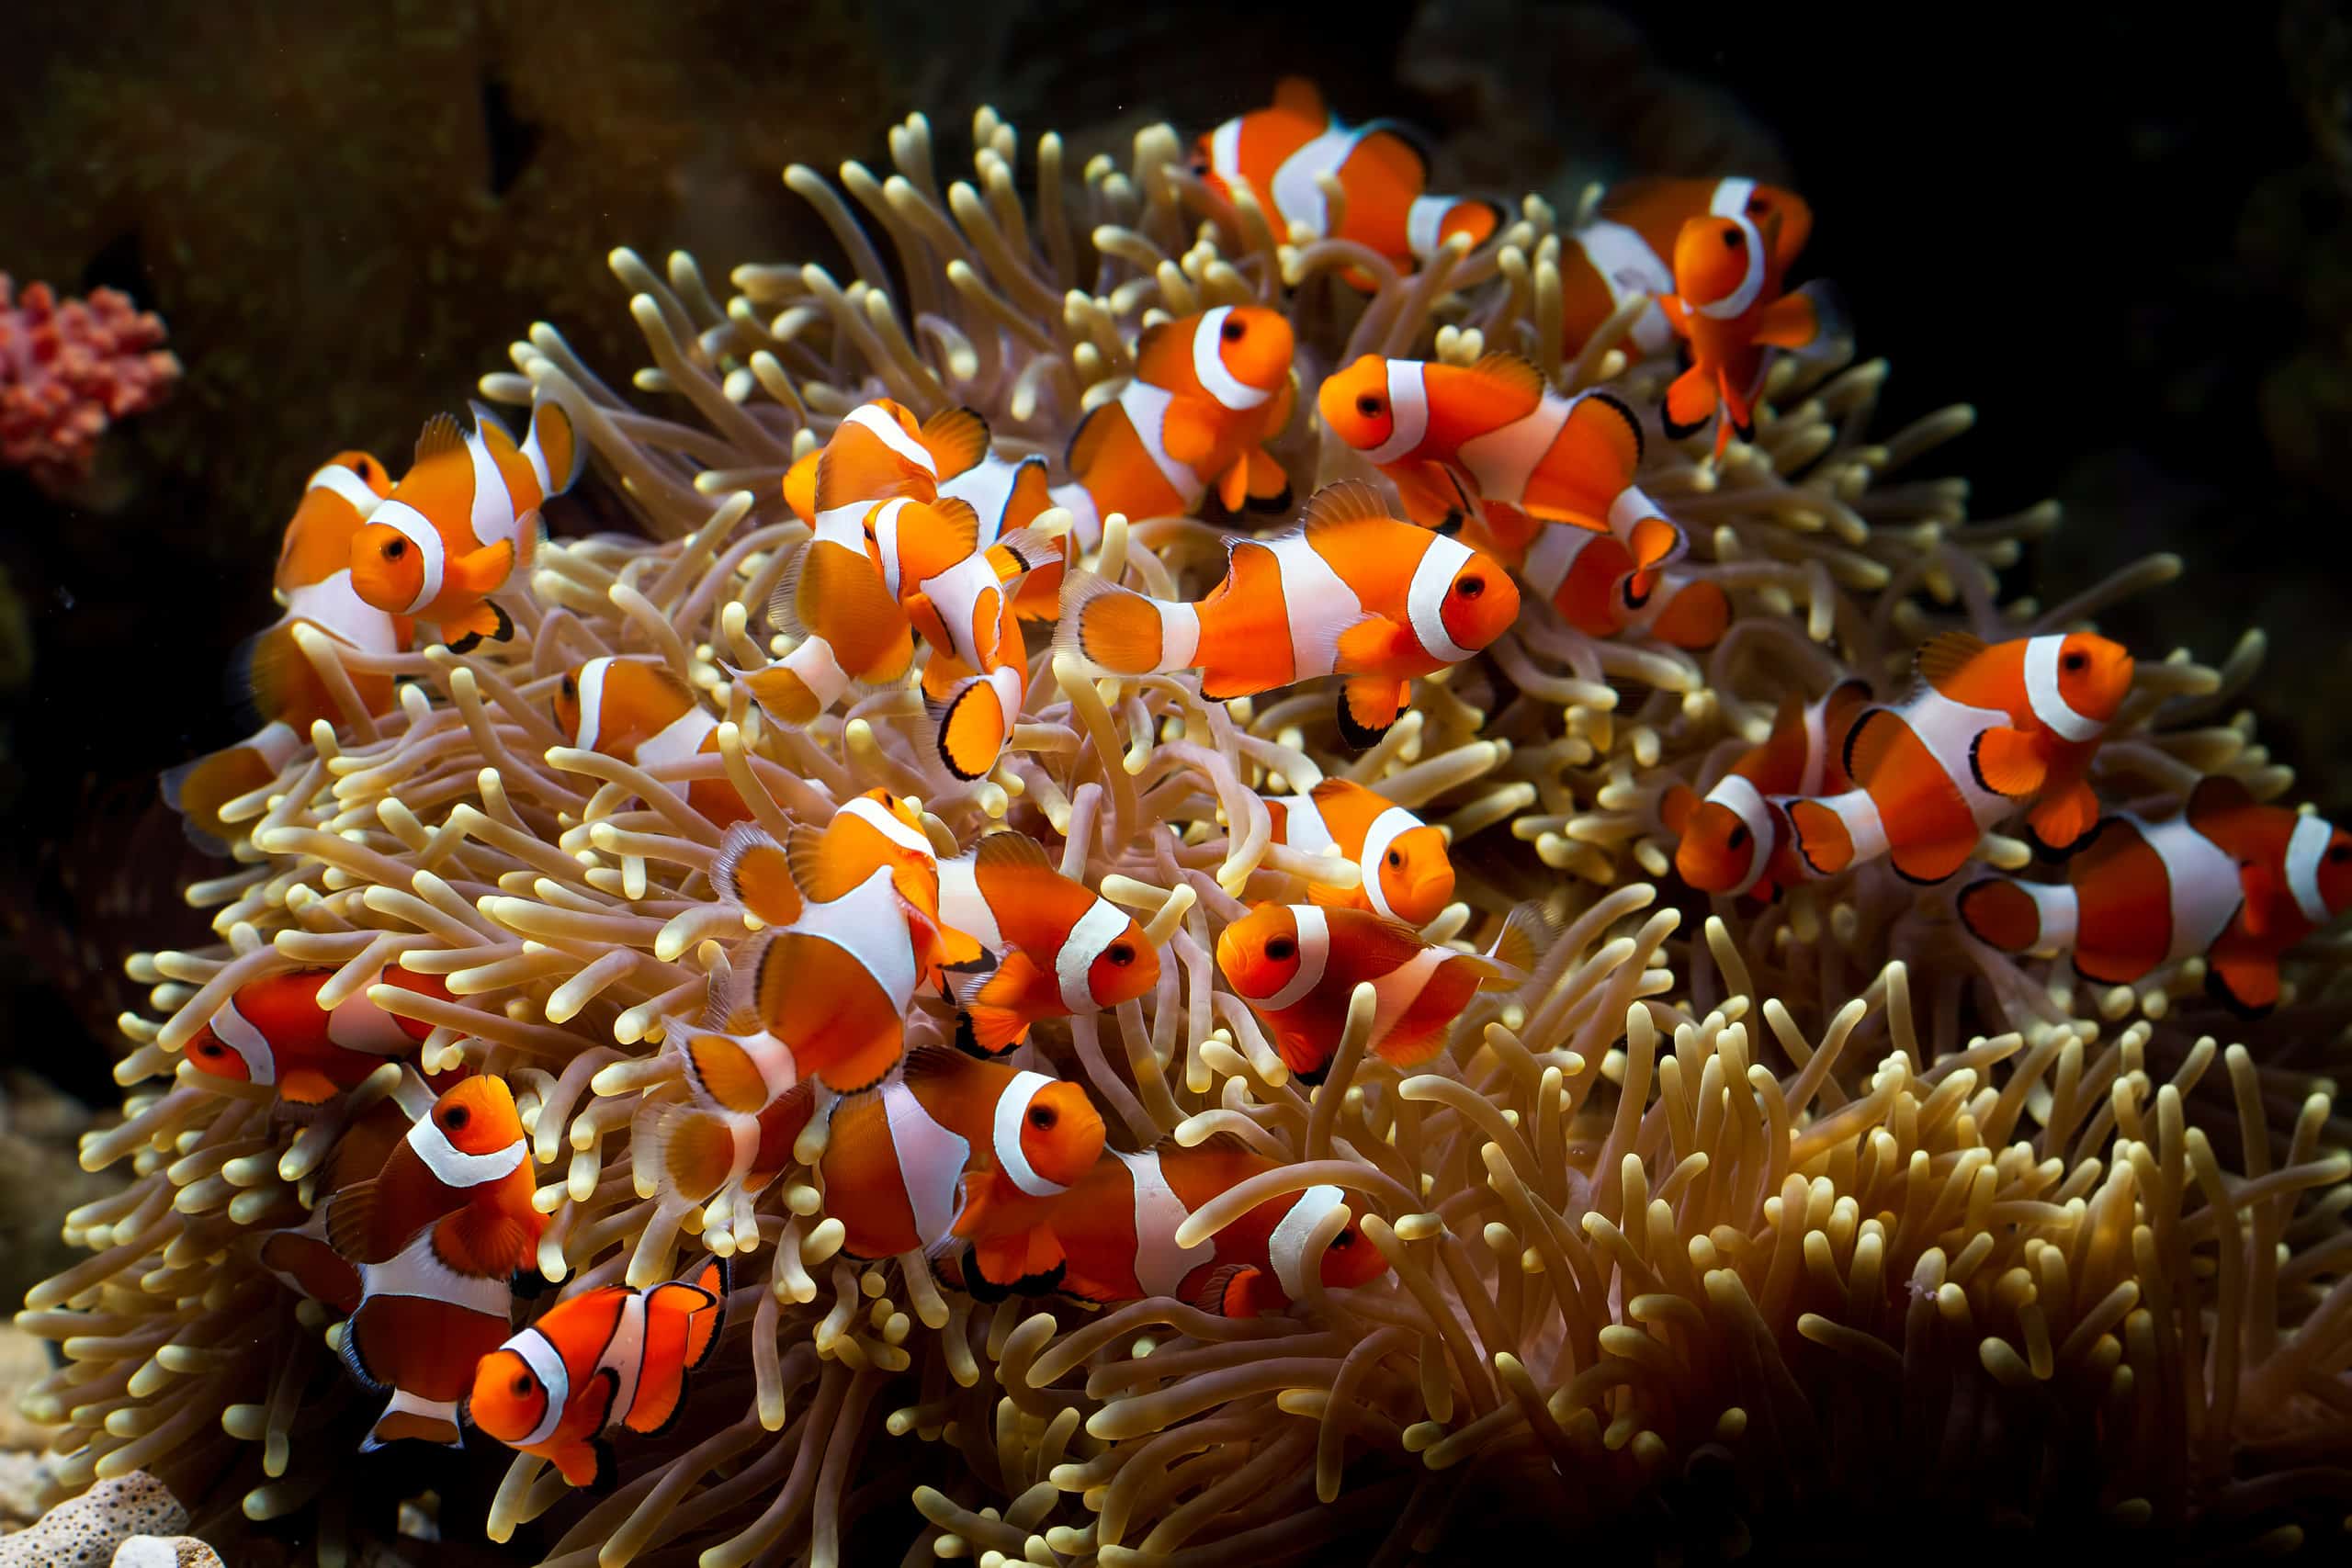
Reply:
x=1239, y=1291
x=1690, y=403
x=1368, y=706
x=2060, y=820
x=485, y=620
x=1268, y=484
x=1370, y=642
x=351, y=1223
x=2244, y=983
x=956, y=439
x=2006, y=761
x=483, y=1242
x=1187, y=432
x=1233, y=485
x=1028, y=1262
x=1791, y=322
x=306, y=1085
x=586, y=1463
x=1431, y=492
x=1675, y=809
x=1696, y=617
x=2259, y=884
x=751, y=870
x=484, y=571
x=991, y=1002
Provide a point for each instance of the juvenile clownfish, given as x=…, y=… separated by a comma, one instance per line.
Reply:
x=1062, y=949
x=1208, y=390
x=1623, y=253
x=436, y=1235
x=1728, y=305
x=272, y=1030
x=1297, y=966
x=957, y=1149
x=1989, y=727
x=635, y=710
x=1737, y=839
x=608, y=1358
x=1118, y=1228
x=2235, y=882
x=463, y=520
x=314, y=582
x=1593, y=581
x=1408, y=875
x=1277, y=154
x=1356, y=592
x=1490, y=440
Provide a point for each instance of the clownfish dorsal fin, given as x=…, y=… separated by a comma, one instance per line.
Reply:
x=1086, y=440
x=934, y=1063
x=1943, y=656
x=1513, y=371
x=1338, y=505
x=1297, y=94
x=1225, y=1144
x=440, y=437
x=956, y=439
x=1333, y=790
x=1009, y=849
x=351, y=1217
x=1675, y=809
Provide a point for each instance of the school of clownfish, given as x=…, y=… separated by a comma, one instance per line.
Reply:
x=927, y=554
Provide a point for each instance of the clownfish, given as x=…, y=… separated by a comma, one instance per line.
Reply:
x=1592, y=581
x=437, y=1235
x=958, y=1150
x=873, y=492
x=604, y=1359
x=1117, y=1229
x=1354, y=592
x=1737, y=839
x=2236, y=882
x=314, y=582
x=1062, y=949
x=272, y=1030
x=1278, y=153
x=1298, y=964
x=635, y=710
x=1492, y=439
x=698, y=1150
x=300, y=1255
x=1623, y=253
x=1408, y=875
x=1728, y=306
x=463, y=519
x=1008, y=497
x=1989, y=727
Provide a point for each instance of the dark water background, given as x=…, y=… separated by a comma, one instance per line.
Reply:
x=2128, y=242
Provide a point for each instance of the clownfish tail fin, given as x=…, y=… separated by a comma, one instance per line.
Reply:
x=410, y=1416
x=1108, y=626
x=2000, y=913
x=553, y=446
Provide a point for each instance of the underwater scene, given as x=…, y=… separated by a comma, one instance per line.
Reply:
x=861, y=783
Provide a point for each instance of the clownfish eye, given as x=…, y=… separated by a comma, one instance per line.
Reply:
x=1120, y=953
x=2339, y=854
x=1042, y=1117
x=1470, y=587
x=1234, y=329
x=1733, y=239
x=1280, y=947
x=570, y=690
x=2075, y=662
x=455, y=1117
x=1368, y=406
x=1756, y=204
x=210, y=1048
x=1396, y=859
x=1345, y=1238
x=522, y=1384
x=362, y=468
x=395, y=549
x=1738, y=838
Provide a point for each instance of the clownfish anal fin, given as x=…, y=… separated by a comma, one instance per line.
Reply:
x=1689, y=404
x=1367, y=707
x=2059, y=822
x=2246, y=985
x=2008, y=762
x=1297, y=94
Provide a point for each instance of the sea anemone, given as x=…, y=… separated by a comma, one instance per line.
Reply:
x=1726, y=1215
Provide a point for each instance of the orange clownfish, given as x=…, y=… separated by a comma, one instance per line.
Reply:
x=437, y=1236
x=635, y=710
x=958, y=1150
x=1989, y=727
x=2234, y=881
x=699, y=1150
x=1298, y=964
x=1728, y=305
x=1118, y=1230
x=462, y=519
x=1062, y=949
x=1623, y=254
x=1408, y=875
x=1278, y=153
x=608, y=1358
x=1356, y=592
x=274, y=1032
x=1492, y=440
x=1737, y=839
x=314, y=582
x=1592, y=581
x=1008, y=497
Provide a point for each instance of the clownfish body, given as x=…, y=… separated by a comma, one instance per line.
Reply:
x=958, y=1150
x=1625, y=252
x=463, y=519
x=1492, y=440
x=1408, y=875
x=700, y=1150
x=274, y=1032
x=1062, y=949
x=1008, y=497
x=1118, y=1229
x=436, y=1235
x=314, y=582
x=1737, y=840
x=301, y=1256
x=1989, y=727
x=1278, y=155
x=1592, y=581
x=2228, y=880
x=1356, y=593
x=636, y=710
x=1727, y=304
x=610, y=1358
x=1297, y=966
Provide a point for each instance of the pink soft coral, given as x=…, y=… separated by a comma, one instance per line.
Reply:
x=67, y=371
